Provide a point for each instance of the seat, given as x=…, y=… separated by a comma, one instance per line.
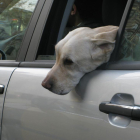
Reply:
x=112, y=11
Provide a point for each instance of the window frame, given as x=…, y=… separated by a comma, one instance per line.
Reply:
x=111, y=65
x=34, y=44
x=30, y=30
x=32, y=52
x=122, y=65
x=26, y=38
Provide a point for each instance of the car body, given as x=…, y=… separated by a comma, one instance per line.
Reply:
x=30, y=112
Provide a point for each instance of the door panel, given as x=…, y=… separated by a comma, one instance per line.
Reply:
x=5, y=74
x=32, y=112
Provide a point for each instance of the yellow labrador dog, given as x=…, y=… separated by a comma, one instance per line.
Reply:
x=80, y=52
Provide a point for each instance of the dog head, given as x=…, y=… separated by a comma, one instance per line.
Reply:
x=80, y=52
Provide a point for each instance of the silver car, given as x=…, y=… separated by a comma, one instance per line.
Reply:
x=106, y=102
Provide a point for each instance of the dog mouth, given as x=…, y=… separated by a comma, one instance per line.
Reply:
x=62, y=92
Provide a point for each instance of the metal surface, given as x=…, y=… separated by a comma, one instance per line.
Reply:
x=124, y=65
x=108, y=107
x=119, y=120
x=121, y=29
x=30, y=30
x=32, y=112
x=31, y=54
x=38, y=64
x=128, y=111
x=9, y=63
x=136, y=113
x=5, y=74
x=1, y=89
x=121, y=104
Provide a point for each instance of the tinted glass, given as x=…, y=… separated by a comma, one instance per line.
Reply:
x=130, y=45
x=14, y=19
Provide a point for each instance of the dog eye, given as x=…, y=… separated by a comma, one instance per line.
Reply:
x=68, y=62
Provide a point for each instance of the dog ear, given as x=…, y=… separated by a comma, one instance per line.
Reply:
x=105, y=37
x=105, y=45
x=106, y=42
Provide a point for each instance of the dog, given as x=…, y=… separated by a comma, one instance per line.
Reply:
x=80, y=52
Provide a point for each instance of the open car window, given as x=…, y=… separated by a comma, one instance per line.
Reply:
x=91, y=14
x=83, y=17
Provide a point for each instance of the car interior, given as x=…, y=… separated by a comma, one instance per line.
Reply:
x=94, y=14
x=104, y=12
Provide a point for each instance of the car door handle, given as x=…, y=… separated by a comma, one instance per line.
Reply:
x=1, y=89
x=124, y=110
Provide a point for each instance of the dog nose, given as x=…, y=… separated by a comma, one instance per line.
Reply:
x=47, y=84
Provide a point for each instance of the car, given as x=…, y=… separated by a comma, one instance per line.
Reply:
x=106, y=102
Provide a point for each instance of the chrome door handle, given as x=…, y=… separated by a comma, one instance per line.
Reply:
x=1, y=89
x=124, y=110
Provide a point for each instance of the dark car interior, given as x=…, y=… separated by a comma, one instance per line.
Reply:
x=112, y=11
x=107, y=12
x=94, y=13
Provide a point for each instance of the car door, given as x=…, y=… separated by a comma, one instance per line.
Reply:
x=5, y=74
x=32, y=112
x=11, y=37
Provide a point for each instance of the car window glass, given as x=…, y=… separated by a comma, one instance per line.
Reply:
x=130, y=45
x=14, y=19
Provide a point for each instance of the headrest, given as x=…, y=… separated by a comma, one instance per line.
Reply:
x=112, y=11
x=89, y=9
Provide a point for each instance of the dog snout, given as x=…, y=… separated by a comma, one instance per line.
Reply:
x=48, y=84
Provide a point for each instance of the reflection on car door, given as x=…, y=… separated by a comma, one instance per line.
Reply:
x=32, y=112
x=5, y=74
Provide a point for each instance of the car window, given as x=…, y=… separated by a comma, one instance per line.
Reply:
x=51, y=30
x=130, y=45
x=90, y=15
x=14, y=19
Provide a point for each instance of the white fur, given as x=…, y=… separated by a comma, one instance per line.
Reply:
x=87, y=48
